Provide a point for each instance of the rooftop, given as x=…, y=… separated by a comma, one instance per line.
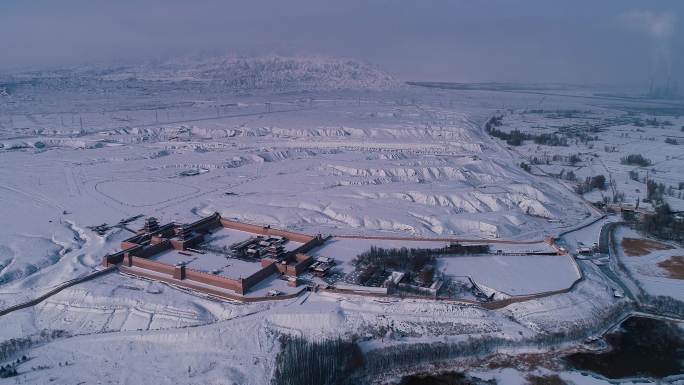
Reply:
x=209, y=262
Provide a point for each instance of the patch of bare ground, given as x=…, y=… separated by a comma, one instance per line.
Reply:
x=552, y=379
x=637, y=247
x=674, y=266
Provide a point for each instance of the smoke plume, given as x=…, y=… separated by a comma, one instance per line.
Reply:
x=659, y=26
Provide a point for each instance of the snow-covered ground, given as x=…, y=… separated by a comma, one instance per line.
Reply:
x=511, y=274
x=614, y=131
x=354, y=153
x=653, y=278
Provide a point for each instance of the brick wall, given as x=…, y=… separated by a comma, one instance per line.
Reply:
x=128, y=245
x=303, y=263
x=217, y=293
x=210, y=279
x=206, y=224
x=112, y=259
x=310, y=244
x=259, y=276
x=267, y=261
x=152, y=265
x=148, y=251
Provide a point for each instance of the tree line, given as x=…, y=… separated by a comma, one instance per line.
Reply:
x=327, y=362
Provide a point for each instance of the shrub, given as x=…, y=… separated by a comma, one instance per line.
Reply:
x=636, y=159
x=598, y=181
x=525, y=167
x=550, y=140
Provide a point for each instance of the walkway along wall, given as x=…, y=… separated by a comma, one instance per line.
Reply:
x=302, y=238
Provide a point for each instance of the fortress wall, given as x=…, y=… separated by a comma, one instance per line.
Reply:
x=152, y=265
x=206, y=224
x=112, y=259
x=188, y=284
x=210, y=279
x=303, y=238
x=151, y=250
x=308, y=245
x=259, y=276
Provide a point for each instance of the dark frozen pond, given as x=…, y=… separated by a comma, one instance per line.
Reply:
x=642, y=347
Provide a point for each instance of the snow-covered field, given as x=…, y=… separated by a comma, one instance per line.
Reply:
x=653, y=278
x=349, y=152
x=515, y=274
x=601, y=134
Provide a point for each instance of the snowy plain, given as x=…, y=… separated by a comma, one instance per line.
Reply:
x=341, y=155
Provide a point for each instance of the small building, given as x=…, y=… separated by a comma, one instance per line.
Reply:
x=585, y=250
x=394, y=279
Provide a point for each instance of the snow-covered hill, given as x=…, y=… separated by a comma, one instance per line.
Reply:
x=273, y=73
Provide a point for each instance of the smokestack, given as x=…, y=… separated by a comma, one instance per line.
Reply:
x=650, y=88
x=659, y=26
x=668, y=91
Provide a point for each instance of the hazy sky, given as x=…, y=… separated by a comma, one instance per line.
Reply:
x=608, y=41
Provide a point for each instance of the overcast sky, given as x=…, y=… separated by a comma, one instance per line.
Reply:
x=609, y=41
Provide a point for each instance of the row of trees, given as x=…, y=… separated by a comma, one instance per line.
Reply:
x=571, y=159
x=512, y=138
x=12, y=347
x=414, y=258
x=591, y=183
x=328, y=362
x=655, y=192
x=652, y=122
x=636, y=160
x=567, y=175
x=398, y=259
x=662, y=223
x=517, y=137
x=10, y=370
x=550, y=140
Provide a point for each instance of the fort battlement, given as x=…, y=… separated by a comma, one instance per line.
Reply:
x=137, y=252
